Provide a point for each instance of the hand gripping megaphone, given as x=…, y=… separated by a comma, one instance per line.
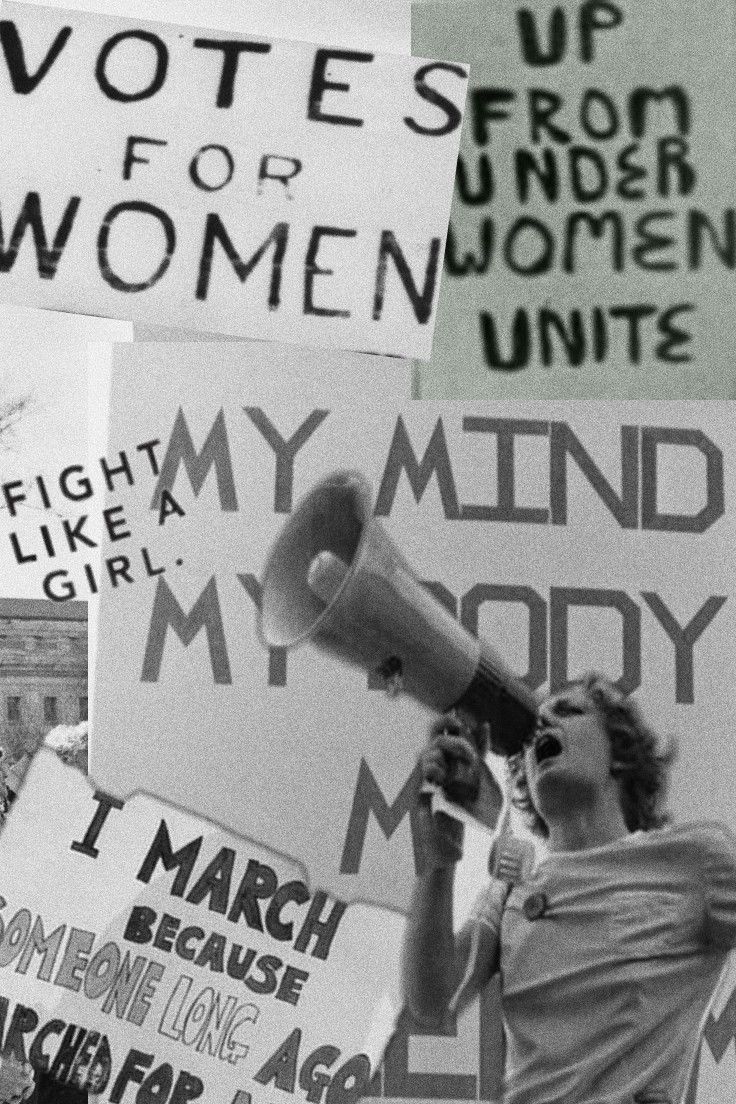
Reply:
x=334, y=577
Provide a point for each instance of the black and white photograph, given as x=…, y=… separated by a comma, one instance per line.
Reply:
x=366, y=552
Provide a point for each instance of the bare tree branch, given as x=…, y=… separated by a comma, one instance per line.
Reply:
x=11, y=412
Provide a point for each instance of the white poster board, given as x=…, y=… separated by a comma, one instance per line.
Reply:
x=212, y=978
x=224, y=182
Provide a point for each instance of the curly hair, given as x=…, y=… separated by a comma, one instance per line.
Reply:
x=642, y=769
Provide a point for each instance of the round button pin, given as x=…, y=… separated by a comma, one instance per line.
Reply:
x=535, y=906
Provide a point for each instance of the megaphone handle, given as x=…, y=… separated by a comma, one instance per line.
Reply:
x=462, y=783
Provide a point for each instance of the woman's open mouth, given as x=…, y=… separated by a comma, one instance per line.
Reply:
x=546, y=746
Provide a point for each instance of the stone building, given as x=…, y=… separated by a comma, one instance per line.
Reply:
x=43, y=670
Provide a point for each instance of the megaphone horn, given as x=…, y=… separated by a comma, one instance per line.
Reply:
x=335, y=578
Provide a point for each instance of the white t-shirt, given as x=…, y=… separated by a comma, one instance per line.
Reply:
x=604, y=993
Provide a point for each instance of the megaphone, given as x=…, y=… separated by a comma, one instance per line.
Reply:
x=335, y=578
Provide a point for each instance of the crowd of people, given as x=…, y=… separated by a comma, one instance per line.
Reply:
x=12, y=773
x=69, y=742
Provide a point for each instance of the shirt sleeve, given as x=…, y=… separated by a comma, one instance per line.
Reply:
x=488, y=906
x=480, y=934
x=719, y=878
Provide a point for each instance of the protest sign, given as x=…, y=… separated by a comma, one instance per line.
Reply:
x=592, y=240
x=573, y=538
x=44, y=368
x=147, y=955
x=225, y=183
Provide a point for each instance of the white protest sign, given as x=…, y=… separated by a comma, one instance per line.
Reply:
x=44, y=367
x=147, y=955
x=592, y=242
x=520, y=517
x=221, y=182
